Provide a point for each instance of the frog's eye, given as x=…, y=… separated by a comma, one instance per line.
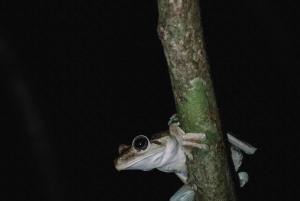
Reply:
x=140, y=143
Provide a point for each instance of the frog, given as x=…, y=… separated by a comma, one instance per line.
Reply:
x=168, y=152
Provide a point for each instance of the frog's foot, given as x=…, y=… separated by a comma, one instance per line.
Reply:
x=188, y=137
x=194, y=144
x=185, y=193
x=194, y=136
x=244, y=178
x=186, y=140
x=244, y=146
x=237, y=157
x=189, y=140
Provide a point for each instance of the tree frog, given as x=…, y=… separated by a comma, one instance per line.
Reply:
x=167, y=151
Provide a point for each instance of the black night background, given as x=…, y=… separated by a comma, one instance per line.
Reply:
x=79, y=78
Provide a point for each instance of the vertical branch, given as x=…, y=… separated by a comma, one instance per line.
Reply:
x=180, y=31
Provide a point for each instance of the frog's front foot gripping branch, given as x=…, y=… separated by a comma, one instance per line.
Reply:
x=186, y=140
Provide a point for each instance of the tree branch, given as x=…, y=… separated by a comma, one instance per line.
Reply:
x=180, y=31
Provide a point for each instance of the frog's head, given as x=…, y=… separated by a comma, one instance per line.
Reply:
x=143, y=154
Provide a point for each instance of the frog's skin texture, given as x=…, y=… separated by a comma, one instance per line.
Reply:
x=167, y=151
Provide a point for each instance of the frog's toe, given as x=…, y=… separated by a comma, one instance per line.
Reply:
x=185, y=193
x=243, y=176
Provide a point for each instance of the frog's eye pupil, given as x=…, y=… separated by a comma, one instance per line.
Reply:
x=140, y=143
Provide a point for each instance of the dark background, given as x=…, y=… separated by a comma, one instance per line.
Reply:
x=80, y=78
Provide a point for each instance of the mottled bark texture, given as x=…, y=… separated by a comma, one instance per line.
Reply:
x=180, y=31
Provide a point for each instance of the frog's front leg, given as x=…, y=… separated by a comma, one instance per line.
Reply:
x=186, y=140
x=177, y=131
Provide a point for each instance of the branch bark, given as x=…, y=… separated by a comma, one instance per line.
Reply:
x=180, y=31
